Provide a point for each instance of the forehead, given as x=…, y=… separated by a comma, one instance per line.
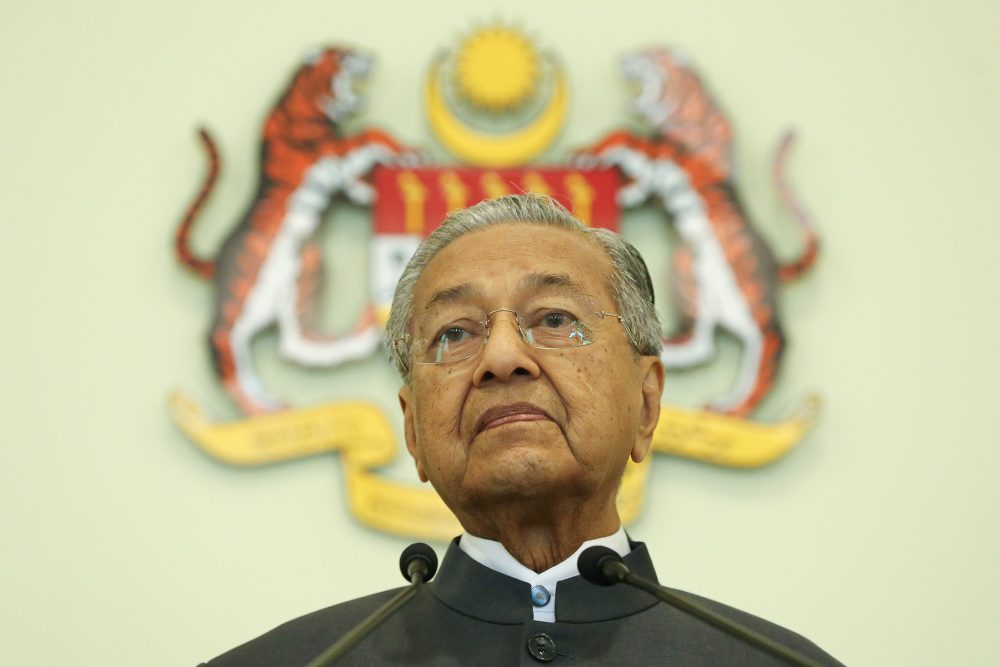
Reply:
x=497, y=259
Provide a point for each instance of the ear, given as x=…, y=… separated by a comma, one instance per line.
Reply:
x=409, y=432
x=653, y=373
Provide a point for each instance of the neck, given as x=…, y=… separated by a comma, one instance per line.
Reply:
x=540, y=537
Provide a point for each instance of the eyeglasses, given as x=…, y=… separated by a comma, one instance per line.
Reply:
x=460, y=338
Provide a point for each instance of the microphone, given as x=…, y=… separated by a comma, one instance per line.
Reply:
x=418, y=564
x=604, y=567
x=418, y=559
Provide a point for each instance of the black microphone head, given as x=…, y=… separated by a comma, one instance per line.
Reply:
x=417, y=557
x=591, y=565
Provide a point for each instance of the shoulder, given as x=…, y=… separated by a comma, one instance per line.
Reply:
x=303, y=638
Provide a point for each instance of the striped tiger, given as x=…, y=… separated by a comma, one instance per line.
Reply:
x=725, y=275
x=268, y=270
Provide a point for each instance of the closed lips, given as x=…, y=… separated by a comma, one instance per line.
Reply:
x=508, y=414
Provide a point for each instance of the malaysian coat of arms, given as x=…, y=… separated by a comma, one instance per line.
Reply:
x=495, y=102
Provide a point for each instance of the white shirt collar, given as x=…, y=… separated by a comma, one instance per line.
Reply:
x=493, y=555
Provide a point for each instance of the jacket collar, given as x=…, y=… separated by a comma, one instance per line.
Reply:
x=477, y=591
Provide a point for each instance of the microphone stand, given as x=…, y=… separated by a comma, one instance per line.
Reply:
x=608, y=568
x=418, y=567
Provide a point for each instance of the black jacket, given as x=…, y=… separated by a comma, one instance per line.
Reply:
x=472, y=615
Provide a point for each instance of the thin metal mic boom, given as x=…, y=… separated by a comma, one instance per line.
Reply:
x=418, y=564
x=602, y=566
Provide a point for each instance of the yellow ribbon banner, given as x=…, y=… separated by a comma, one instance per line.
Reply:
x=731, y=441
x=366, y=441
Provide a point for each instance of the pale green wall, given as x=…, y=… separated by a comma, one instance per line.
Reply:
x=123, y=545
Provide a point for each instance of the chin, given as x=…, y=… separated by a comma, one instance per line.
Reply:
x=524, y=475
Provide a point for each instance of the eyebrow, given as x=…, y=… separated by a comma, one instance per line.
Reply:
x=536, y=280
x=452, y=294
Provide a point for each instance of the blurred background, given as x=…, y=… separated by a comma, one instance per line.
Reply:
x=125, y=545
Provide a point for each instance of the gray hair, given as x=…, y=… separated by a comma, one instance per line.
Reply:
x=629, y=280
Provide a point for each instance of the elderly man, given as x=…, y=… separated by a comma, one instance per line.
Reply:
x=529, y=349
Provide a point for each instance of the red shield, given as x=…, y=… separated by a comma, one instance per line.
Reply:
x=412, y=202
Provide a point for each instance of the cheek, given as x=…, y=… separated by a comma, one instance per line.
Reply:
x=599, y=403
x=439, y=405
x=586, y=395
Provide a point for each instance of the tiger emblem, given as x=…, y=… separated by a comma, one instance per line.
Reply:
x=725, y=275
x=268, y=270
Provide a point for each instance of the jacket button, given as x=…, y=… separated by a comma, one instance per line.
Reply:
x=542, y=648
x=540, y=595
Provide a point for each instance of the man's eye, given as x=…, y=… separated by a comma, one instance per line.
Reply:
x=453, y=335
x=557, y=320
x=452, y=343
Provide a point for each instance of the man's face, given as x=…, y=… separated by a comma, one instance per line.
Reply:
x=514, y=422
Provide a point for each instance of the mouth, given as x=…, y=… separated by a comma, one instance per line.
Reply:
x=510, y=414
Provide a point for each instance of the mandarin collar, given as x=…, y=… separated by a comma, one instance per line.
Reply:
x=477, y=591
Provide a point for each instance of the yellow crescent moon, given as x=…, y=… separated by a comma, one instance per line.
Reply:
x=495, y=150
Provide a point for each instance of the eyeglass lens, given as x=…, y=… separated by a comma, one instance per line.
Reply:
x=550, y=326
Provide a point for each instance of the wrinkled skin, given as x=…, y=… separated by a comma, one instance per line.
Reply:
x=541, y=475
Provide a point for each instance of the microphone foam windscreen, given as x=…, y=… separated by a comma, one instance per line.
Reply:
x=418, y=551
x=590, y=565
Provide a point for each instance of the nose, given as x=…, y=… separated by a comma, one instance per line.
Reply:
x=505, y=354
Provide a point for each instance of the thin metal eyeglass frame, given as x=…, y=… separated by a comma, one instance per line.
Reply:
x=396, y=342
